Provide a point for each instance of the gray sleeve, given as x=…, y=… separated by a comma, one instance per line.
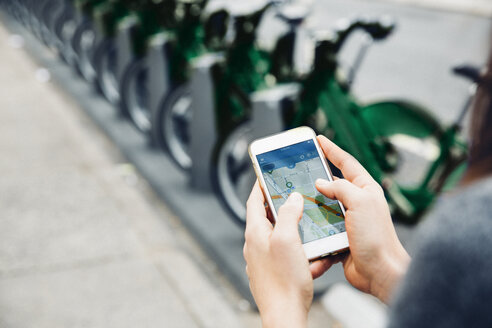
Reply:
x=449, y=282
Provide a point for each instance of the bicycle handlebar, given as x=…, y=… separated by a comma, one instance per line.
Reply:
x=329, y=44
x=246, y=24
x=292, y=15
x=378, y=29
x=472, y=73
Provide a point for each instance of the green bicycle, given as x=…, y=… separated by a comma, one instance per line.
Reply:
x=84, y=39
x=154, y=19
x=246, y=68
x=372, y=133
x=186, y=37
x=106, y=58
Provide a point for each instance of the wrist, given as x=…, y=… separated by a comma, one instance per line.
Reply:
x=284, y=314
x=394, y=265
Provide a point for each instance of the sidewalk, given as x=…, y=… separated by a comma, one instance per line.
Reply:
x=82, y=241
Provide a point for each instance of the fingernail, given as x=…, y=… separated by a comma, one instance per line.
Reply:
x=295, y=197
x=322, y=182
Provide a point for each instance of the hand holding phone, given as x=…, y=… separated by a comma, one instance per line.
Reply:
x=281, y=277
x=376, y=261
x=292, y=161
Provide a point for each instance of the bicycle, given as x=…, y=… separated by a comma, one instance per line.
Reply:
x=246, y=68
x=47, y=20
x=369, y=132
x=110, y=18
x=85, y=38
x=64, y=26
x=187, y=28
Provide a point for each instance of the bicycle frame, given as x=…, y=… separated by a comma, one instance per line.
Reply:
x=243, y=72
x=368, y=132
x=248, y=69
x=365, y=132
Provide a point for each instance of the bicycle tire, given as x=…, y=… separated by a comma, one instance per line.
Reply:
x=105, y=76
x=232, y=201
x=83, y=65
x=57, y=26
x=64, y=27
x=164, y=130
x=129, y=104
x=400, y=117
x=47, y=12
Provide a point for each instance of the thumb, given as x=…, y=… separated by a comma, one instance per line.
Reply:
x=289, y=215
x=341, y=190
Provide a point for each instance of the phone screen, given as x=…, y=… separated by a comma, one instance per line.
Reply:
x=296, y=168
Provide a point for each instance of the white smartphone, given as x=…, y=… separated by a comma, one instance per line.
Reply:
x=292, y=161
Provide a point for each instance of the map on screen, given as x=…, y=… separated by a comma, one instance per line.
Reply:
x=296, y=168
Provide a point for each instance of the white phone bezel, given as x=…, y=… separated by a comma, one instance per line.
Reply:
x=317, y=248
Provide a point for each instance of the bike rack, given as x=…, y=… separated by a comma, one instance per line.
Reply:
x=157, y=61
x=203, y=125
x=267, y=109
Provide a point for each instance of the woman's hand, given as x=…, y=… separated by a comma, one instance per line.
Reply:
x=280, y=276
x=377, y=260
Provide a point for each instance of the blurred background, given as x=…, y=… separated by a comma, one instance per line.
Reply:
x=124, y=127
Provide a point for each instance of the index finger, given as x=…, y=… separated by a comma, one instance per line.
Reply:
x=352, y=170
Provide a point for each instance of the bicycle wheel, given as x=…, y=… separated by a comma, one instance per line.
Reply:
x=105, y=62
x=65, y=29
x=59, y=20
x=134, y=95
x=49, y=11
x=233, y=175
x=172, y=125
x=429, y=159
x=34, y=9
x=83, y=43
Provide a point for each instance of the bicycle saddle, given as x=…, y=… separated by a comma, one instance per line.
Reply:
x=378, y=28
x=470, y=72
x=293, y=15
